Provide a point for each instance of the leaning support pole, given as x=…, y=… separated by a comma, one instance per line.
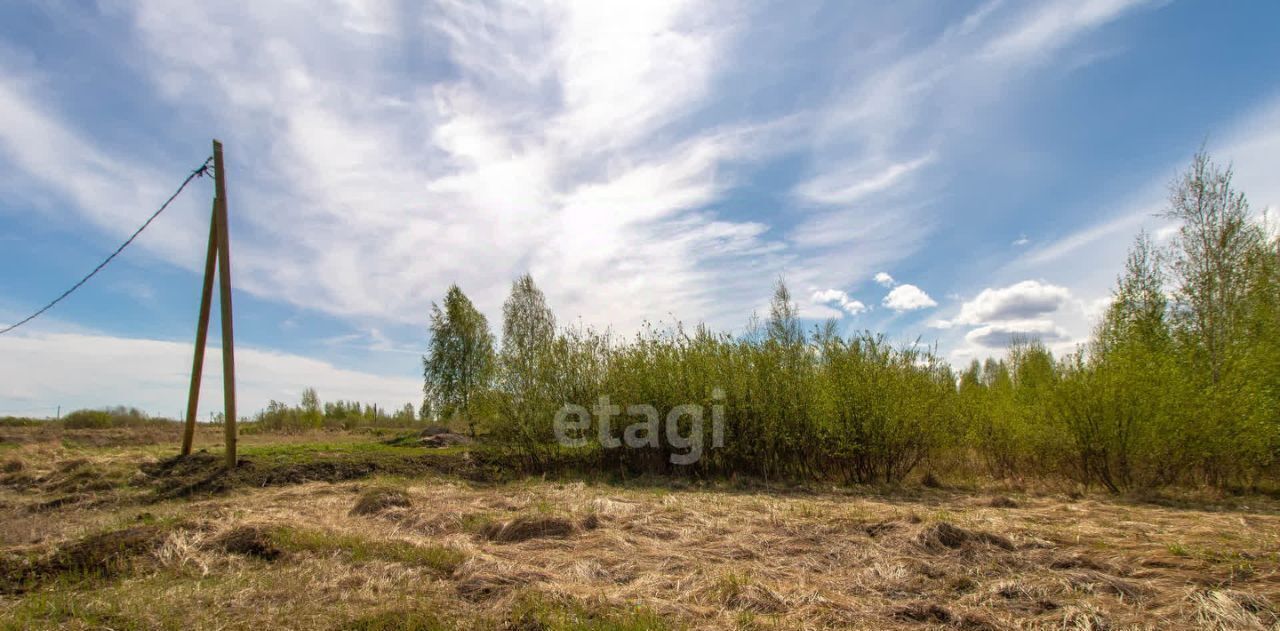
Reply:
x=224, y=287
x=202, y=333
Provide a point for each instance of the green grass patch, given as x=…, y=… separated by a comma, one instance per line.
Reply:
x=534, y=610
x=57, y=609
x=295, y=451
x=397, y=620
x=357, y=549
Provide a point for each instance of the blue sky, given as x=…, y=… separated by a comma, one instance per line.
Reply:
x=949, y=172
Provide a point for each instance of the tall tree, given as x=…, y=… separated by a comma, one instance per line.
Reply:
x=1135, y=432
x=1138, y=309
x=1215, y=241
x=528, y=330
x=311, y=407
x=459, y=363
x=527, y=366
x=783, y=325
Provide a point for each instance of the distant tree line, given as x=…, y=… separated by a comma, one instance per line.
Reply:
x=1180, y=383
x=311, y=414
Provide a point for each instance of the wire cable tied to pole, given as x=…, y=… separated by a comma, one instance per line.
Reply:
x=199, y=172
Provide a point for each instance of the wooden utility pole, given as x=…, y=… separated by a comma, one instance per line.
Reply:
x=224, y=286
x=220, y=252
x=202, y=332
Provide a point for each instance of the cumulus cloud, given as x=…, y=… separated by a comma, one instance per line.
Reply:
x=839, y=299
x=1002, y=334
x=999, y=316
x=908, y=297
x=1020, y=301
x=884, y=279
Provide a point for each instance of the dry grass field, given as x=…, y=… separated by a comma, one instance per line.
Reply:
x=343, y=531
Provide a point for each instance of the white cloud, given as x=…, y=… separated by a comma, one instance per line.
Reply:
x=545, y=138
x=885, y=126
x=1087, y=261
x=1124, y=227
x=851, y=185
x=1002, y=334
x=566, y=139
x=1250, y=146
x=1020, y=301
x=997, y=316
x=840, y=299
x=1050, y=26
x=85, y=370
x=884, y=279
x=908, y=297
x=113, y=193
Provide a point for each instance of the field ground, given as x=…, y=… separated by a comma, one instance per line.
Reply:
x=347, y=531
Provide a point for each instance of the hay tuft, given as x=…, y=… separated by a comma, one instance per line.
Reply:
x=525, y=528
x=378, y=501
x=943, y=535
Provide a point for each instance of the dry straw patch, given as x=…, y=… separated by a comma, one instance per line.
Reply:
x=302, y=556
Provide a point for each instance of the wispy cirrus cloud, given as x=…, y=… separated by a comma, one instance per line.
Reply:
x=643, y=161
x=569, y=139
x=882, y=145
x=1048, y=27
x=555, y=142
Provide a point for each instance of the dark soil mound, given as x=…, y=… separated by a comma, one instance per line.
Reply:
x=100, y=555
x=253, y=541
x=880, y=527
x=67, y=466
x=446, y=439
x=204, y=473
x=18, y=481
x=1002, y=502
x=924, y=612
x=109, y=550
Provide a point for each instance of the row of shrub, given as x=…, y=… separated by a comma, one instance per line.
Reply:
x=104, y=418
x=1179, y=385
